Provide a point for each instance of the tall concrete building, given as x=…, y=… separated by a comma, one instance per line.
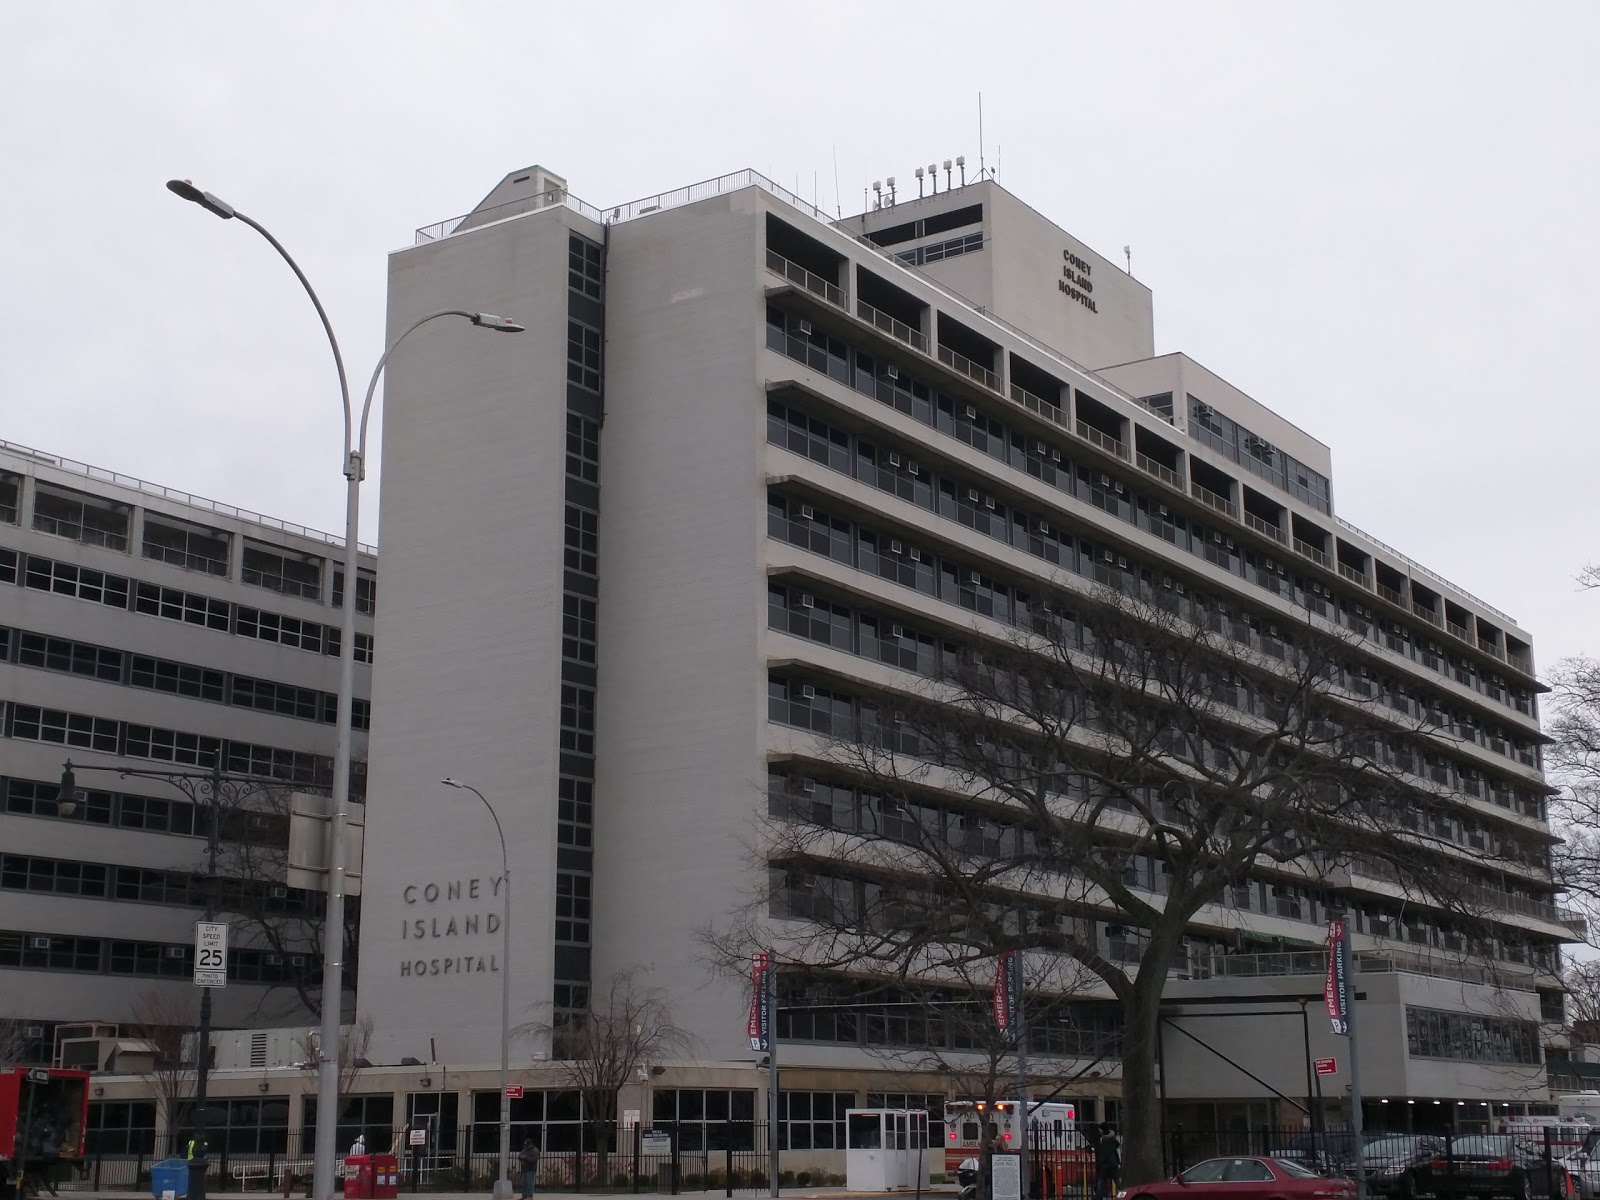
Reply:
x=145, y=628
x=747, y=457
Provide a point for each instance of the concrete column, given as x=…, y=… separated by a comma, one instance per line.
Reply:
x=25, y=499
x=136, y=532
x=235, y=555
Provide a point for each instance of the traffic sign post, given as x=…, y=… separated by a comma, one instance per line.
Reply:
x=210, y=954
x=1326, y=1066
x=513, y=1091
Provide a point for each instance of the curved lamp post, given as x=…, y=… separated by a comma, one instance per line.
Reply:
x=355, y=453
x=502, y=1185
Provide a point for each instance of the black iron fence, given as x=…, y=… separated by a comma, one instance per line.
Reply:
x=724, y=1157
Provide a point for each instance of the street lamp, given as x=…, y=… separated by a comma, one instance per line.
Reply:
x=355, y=453
x=502, y=1186
x=216, y=789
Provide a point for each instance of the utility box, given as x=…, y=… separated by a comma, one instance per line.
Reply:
x=886, y=1149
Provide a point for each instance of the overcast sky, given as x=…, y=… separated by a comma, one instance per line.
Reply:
x=1377, y=219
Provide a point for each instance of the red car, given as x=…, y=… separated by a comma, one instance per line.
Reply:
x=1246, y=1179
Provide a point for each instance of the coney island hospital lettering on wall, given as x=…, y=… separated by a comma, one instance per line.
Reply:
x=445, y=911
x=1074, y=283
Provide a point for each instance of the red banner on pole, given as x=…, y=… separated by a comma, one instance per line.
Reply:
x=760, y=1009
x=1336, y=987
x=1006, y=989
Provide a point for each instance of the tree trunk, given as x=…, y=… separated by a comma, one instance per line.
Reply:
x=1141, y=1098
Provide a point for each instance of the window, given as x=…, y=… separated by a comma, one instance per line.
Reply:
x=186, y=546
x=8, y=566
x=583, y=540
x=577, y=719
x=64, y=579
x=813, y=1120
x=181, y=679
x=575, y=812
x=121, y=1127
x=577, y=628
x=585, y=273
x=286, y=631
x=157, y=815
x=171, y=745
x=34, y=798
x=178, y=605
x=366, y=591
x=32, y=724
x=552, y=1120
x=371, y=1117
x=74, y=658
x=83, y=518
x=22, y=873
x=707, y=1118
x=1468, y=1037
x=572, y=908
x=48, y=952
x=583, y=356
x=297, y=766
x=283, y=571
x=10, y=497
x=583, y=448
x=284, y=699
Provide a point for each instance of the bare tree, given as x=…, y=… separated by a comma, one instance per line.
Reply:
x=14, y=1041
x=628, y=1026
x=354, y=1041
x=253, y=863
x=166, y=1025
x=1088, y=785
x=1574, y=761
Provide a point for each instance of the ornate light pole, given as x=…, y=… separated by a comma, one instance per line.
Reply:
x=213, y=792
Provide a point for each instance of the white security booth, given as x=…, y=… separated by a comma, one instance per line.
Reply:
x=887, y=1149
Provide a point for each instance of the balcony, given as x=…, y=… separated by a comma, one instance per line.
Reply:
x=1265, y=527
x=1103, y=440
x=82, y=518
x=1221, y=503
x=1039, y=406
x=1321, y=558
x=1166, y=474
x=896, y=329
x=1367, y=962
x=809, y=280
x=1355, y=576
x=976, y=372
x=1392, y=596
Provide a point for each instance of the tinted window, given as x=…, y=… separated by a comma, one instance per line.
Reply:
x=1206, y=1172
x=1247, y=1170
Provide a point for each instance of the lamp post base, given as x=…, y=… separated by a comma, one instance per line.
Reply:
x=502, y=1189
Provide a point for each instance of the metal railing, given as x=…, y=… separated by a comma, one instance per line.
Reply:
x=499, y=212
x=1320, y=557
x=183, y=558
x=282, y=584
x=1041, y=406
x=1458, y=631
x=1422, y=570
x=1104, y=440
x=1265, y=527
x=155, y=489
x=1427, y=614
x=1367, y=962
x=1206, y=496
x=1392, y=596
x=810, y=280
x=1488, y=647
x=1355, y=576
x=972, y=370
x=77, y=531
x=896, y=329
x=1162, y=472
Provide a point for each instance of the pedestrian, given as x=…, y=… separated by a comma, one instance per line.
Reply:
x=528, y=1158
x=1107, y=1163
x=359, y=1146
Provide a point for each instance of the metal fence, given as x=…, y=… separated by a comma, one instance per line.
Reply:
x=726, y=1157
x=1532, y=1162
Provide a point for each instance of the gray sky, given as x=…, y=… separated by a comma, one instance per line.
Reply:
x=1377, y=219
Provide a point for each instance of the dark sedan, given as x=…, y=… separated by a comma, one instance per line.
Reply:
x=1487, y=1164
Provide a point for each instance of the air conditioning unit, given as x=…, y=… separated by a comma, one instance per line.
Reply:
x=176, y=951
x=38, y=943
x=33, y=1031
x=892, y=372
x=297, y=960
x=1040, y=447
x=806, y=512
x=807, y=786
x=1109, y=557
x=807, y=600
x=274, y=960
x=805, y=328
x=973, y=577
x=972, y=494
x=894, y=460
x=897, y=631
x=277, y=892
x=988, y=501
x=913, y=469
x=972, y=413
x=1163, y=511
x=259, y=820
x=899, y=717
x=1044, y=526
x=1122, y=562
x=1105, y=481
x=807, y=692
x=1055, y=455
x=894, y=546
x=916, y=555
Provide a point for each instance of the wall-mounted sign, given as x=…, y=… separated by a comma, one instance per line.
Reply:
x=1075, y=283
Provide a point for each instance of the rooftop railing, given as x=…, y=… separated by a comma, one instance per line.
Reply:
x=1422, y=570
x=810, y=280
x=155, y=489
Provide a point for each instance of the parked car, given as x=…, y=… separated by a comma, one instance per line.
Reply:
x=1245, y=1179
x=1486, y=1164
x=1389, y=1158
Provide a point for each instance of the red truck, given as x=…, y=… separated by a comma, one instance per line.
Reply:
x=43, y=1114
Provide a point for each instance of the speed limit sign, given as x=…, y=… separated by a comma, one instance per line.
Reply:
x=210, y=954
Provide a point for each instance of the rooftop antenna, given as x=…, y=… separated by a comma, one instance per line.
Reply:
x=1127, y=252
x=890, y=182
x=877, y=195
x=983, y=167
x=933, y=170
x=918, y=174
x=961, y=161
x=837, y=210
x=947, y=184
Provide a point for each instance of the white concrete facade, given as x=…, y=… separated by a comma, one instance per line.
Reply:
x=121, y=650
x=470, y=683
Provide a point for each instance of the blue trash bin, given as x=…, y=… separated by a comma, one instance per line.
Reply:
x=169, y=1175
